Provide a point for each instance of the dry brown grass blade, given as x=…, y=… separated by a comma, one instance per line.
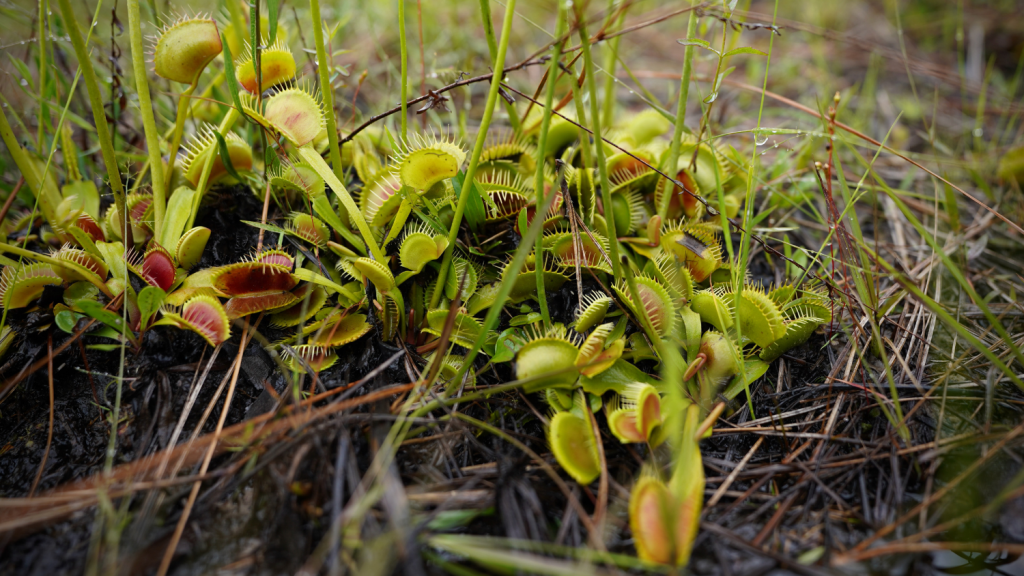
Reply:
x=912, y=547
x=21, y=516
x=165, y=563
x=946, y=489
x=49, y=429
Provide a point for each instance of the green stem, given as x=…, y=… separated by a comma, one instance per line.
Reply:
x=43, y=108
x=99, y=115
x=611, y=58
x=179, y=128
x=492, y=48
x=148, y=122
x=599, y=148
x=606, y=188
x=738, y=278
x=405, y=67
x=313, y=158
x=324, y=68
x=586, y=153
x=542, y=142
x=672, y=160
x=474, y=160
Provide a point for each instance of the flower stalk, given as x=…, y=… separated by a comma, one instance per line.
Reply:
x=545, y=125
x=474, y=160
x=99, y=115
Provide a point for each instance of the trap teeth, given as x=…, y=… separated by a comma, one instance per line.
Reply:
x=185, y=48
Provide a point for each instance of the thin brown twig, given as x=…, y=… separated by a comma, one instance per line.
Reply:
x=482, y=78
x=11, y=197
x=49, y=430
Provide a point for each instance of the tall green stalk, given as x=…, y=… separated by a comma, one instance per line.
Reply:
x=610, y=62
x=405, y=68
x=586, y=153
x=492, y=48
x=672, y=160
x=606, y=187
x=474, y=160
x=99, y=115
x=599, y=147
x=542, y=144
x=148, y=122
x=43, y=108
x=323, y=65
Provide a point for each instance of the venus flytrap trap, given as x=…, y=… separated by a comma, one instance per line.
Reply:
x=204, y=149
x=635, y=413
x=664, y=517
x=203, y=315
x=591, y=311
x=181, y=53
x=297, y=115
x=573, y=442
x=277, y=66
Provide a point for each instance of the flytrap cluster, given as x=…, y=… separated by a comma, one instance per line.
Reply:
x=394, y=240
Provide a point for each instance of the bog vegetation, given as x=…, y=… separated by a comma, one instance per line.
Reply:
x=475, y=305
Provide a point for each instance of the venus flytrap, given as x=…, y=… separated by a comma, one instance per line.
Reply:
x=311, y=299
x=694, y=245
x=522, y=280
x=277, y=66
x=466, y=330
x=204, y=150
x=189, y=247
x=298, y=116
x=181, y=54
x=347, y=278
x=591, y=311
x=336, y=330
x=653, y=302
x=262, y=283
x=67, y=266
x=664, y=517
x=203, y=315
x=21, y=284
x=573, y=443
x=421, y=166
x=420, y=246
x=635, y=413
x=598, y=352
